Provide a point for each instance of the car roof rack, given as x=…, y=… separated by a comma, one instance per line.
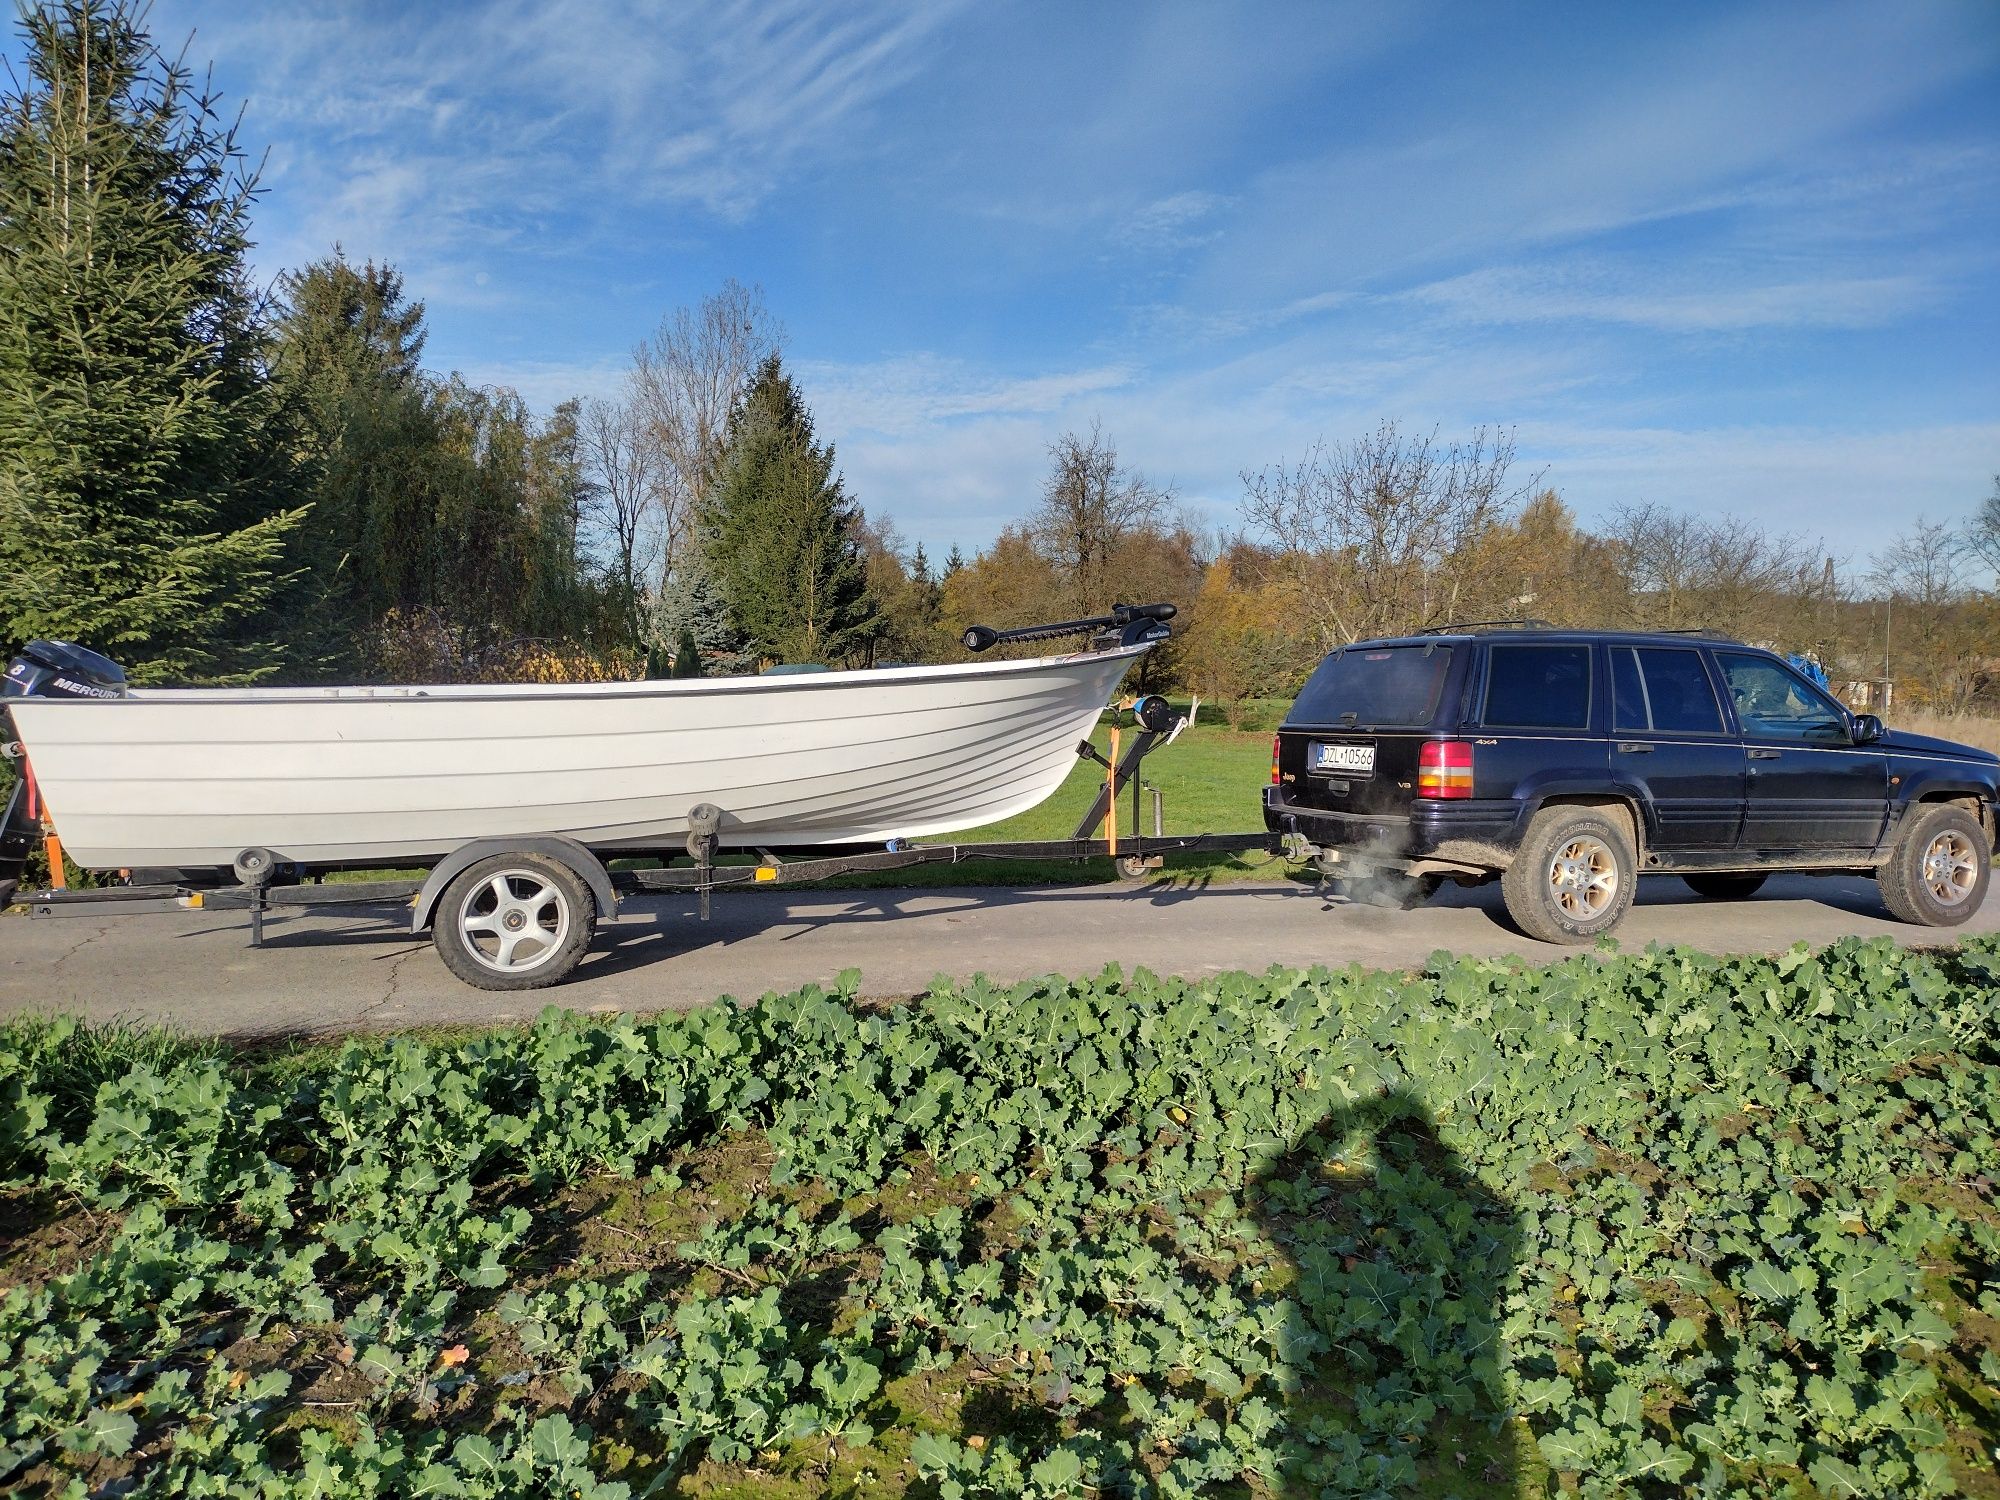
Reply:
x=1471, y=627
x=1707, y=631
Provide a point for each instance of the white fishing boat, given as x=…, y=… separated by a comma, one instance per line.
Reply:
x=321, y=777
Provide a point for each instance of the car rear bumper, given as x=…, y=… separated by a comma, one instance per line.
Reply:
x=1435, y=835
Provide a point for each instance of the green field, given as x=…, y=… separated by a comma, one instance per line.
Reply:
x=1647, y=1225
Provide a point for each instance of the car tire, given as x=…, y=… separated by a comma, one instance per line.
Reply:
x=1725, y=887
x=492, y=908
x=1572, y=878
x=1939, y=868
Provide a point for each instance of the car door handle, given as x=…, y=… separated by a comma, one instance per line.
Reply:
x=1765, y=754
x=1633, y=747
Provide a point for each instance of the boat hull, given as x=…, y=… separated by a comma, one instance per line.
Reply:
x=189, y=778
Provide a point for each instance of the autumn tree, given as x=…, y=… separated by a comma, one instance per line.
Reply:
x=1242, y=641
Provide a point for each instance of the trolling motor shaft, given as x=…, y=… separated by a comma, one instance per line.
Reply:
x=1126, y=625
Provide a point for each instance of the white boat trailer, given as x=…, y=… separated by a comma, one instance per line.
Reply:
x=520, y=912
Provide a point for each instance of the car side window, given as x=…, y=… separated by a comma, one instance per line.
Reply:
x=1628, y=693
x=1678, y=691
x=1537, y=687
x=1773, y=704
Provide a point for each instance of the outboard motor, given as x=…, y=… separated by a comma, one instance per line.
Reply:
x=44, y=669
x=56, y=669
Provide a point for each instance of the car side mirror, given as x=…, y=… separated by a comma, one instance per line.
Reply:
x=1866, y=729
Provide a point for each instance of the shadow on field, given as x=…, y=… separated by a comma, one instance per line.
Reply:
x=1402, y=1262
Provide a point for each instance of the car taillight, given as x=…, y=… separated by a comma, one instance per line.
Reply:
x=1444, y=769
x=1274, y=759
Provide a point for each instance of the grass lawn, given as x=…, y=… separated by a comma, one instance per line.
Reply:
x=1212, y=778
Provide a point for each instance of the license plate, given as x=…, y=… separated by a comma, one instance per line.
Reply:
x=1350, y=760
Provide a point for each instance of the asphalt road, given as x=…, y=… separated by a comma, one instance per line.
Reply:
x=356, y=968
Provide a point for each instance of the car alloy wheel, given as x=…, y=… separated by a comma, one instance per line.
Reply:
x=1583, y=877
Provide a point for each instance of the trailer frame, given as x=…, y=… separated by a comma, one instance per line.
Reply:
x=260, y=891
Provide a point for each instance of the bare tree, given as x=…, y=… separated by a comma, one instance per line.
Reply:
x=623, y=518
x=1381, y=533
x=1938, y=632
x=685, y=379
x=1728, y=574
x=1984, y=536
x=1091, y=503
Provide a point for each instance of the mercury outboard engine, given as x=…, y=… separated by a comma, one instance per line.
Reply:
x=44, y=669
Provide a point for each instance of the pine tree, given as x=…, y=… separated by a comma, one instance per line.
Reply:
x=781, y=534
x=346, y=361
x=145, y=487
x=954, y=563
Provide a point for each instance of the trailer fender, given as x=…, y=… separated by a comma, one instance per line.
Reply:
x=588, y=867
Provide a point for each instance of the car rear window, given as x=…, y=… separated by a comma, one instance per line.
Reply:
x=1537, y=687
x=1375, y=687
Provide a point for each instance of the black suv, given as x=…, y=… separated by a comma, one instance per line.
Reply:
x=1566, y=763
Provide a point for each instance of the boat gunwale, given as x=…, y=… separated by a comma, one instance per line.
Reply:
x=542, y=692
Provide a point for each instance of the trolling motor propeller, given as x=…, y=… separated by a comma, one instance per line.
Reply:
x=1126, y=625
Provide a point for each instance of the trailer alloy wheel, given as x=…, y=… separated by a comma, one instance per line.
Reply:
x=515, y=922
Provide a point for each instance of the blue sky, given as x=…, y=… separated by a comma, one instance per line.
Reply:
x=1734, y=258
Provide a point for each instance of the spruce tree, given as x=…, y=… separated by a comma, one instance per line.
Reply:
x=780, y=532
x=690, y=604
x=145, y=490
x=346, y=361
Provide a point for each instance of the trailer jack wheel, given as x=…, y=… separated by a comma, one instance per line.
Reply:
x=515, y=922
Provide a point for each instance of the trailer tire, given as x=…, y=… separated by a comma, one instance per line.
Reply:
x=492, y=908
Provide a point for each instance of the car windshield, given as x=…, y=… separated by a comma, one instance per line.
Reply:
x=1375, y=687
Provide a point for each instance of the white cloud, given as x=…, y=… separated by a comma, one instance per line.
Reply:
x=1179, y=221
x=416, y=133
x=544, y=383
x=1680, y=300
x=899, y=397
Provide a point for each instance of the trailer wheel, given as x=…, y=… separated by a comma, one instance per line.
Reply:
x=1132, y=866
x=515, y=922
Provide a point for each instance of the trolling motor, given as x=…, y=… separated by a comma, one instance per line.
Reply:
x=1126, y=625
x=44, y=669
